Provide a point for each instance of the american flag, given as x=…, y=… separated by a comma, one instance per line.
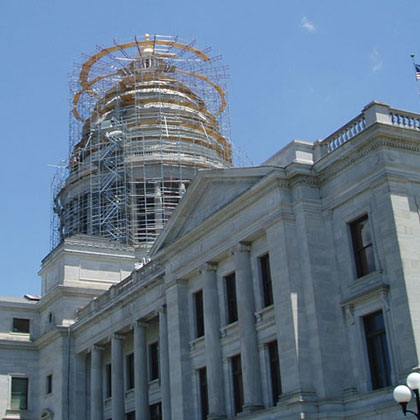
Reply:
x=417, y=67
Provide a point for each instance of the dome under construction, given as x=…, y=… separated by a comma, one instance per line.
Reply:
x=147, y=115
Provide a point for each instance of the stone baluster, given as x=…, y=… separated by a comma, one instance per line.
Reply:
x=164, y=364
x=248, y=334
x=96, y=391
x=141, y=383
x=214, y=369
x=117, y=377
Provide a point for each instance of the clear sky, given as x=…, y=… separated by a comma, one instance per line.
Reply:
x=299, y=69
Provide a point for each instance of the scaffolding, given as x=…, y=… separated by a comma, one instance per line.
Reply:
x=146, y=116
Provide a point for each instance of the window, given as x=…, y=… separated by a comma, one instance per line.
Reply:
x=131, y=415
x=266, y=280
x=204, y=401
x=238, y=393
x=199, y=314
x=232, y=308
x=19, y=399
x=273, y=357
x=156, y=411
x=130, y=371
x=108, y=380
x=48, y=384
x=21, y=325
x=377, y=348
x=153, y=361
x=362, y=246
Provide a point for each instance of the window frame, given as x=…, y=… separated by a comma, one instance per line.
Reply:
x=237, y=388
x=266, y=300
x=49, y=384
x=19, y=377
x=203, y=392
x=129, y=363
x=359, y=255
x=21, y=319
x=269, y=348
x=159, y=414
x=198, y=299
x=153, y=361
x=108, y=380
x=231, y=310
x=384, y=333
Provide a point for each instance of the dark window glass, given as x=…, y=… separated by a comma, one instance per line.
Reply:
x=232, y=308
x=131, y=415
x=48, y=389
x=362, y=246
x=19, y=398
x=273, y=356
x=156, y=411
x=377, y=347
x=108, y=379
x=21, y=325
x=154, y=361
x=266, y=280
x=202, y=376
x=130, y=371
x=199, y=314
x=238, y=393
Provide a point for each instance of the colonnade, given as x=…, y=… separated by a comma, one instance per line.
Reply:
x=213, y=352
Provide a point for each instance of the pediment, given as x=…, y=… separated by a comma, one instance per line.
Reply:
x=210, y=192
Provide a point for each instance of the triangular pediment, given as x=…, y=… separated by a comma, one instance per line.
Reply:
x=209, y=193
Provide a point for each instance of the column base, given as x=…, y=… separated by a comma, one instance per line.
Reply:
x=213, y=416
x=251, y=408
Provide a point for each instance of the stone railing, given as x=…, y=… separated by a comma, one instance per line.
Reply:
x=375, y=112
x=136, y=277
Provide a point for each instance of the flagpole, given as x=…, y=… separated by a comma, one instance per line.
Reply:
x=415, y=72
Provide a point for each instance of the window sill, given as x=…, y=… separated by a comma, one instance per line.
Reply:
x=264, y=313
x=229, y=329
x=197, y=343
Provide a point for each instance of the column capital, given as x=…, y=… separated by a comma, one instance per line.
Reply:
x=139, y=323
x=208, y=266
x=97, y=347
x=117, y=336
x=240, y=247
x=161, y=309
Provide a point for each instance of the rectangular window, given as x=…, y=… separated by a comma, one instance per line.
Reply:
x=377, y=348
x=266, y=280
x=273, y=356
x=362, y=246
x=232, y=308
x=108, y=380
x=48, y=384
x=199, y=314
x=238, y=393
x=156, y=411
x=204, y=401
x=153, y=361
x=130, y=416
x=130, y=371
x=19, y=398
x=21, y=325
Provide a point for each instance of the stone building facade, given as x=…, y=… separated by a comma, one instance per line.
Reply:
x=283, y=291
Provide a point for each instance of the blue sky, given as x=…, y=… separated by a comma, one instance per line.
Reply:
x=298, y=70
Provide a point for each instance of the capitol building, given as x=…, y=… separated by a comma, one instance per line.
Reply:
x=181, y=287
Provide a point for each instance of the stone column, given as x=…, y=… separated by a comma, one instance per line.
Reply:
x=214, y=368
x=96, y=392
x=141, y=382
x=248, y=334
x=78, y=387
x=164, y=364
x=117, y=377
